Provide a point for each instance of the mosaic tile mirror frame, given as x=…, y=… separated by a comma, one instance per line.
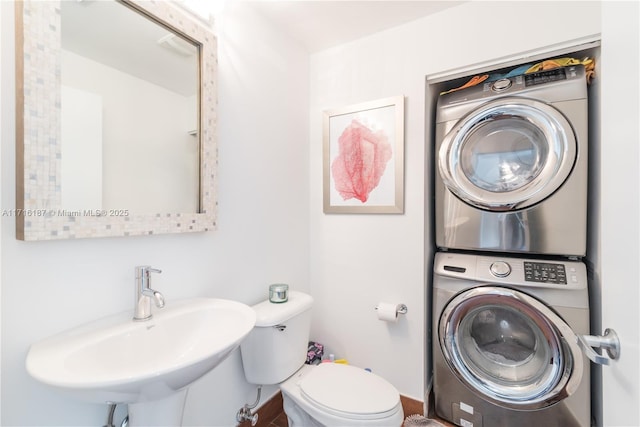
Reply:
x=39, y=214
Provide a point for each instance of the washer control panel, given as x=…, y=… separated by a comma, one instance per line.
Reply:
x=543, y=272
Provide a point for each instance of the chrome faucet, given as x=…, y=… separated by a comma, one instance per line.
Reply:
x=144, y=293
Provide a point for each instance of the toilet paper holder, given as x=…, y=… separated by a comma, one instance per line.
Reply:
x=401, y=309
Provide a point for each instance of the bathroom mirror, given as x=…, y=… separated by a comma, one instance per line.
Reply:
x=115, y=120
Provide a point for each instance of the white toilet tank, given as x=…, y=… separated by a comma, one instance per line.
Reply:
x=277, y=345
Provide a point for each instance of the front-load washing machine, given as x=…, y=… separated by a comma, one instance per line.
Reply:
x=512, y=165
x=504, y=341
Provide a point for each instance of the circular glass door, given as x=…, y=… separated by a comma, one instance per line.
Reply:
x=508, y=154
x=509, y=348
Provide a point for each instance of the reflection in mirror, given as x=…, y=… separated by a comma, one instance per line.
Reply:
x=129, y=111
x=115, y=119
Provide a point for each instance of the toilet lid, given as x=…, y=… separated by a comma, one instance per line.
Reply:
x=348, y=390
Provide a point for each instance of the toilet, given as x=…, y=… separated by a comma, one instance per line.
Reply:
x=329, y=394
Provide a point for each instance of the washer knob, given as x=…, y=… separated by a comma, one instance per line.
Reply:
x=500, y=85
x=500, y=269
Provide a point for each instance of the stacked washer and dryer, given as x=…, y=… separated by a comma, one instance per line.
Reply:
x=510, y=294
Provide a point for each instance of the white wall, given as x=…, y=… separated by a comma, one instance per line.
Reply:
x=619, y=240
x=2, y=114
x=358, y=260
x=262, y=236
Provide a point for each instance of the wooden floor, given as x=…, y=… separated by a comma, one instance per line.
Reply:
x=271, y=413
x=280, y=421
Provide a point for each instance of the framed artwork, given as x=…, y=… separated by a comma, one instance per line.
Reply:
x=363, y=158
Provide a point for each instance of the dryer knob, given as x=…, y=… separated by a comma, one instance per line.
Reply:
x=500, y=269
x=500, y=85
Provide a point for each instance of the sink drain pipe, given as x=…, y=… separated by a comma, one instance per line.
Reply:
x=244, y=414
x=112, y=410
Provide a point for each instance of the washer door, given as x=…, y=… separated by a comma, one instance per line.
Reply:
x=509, y=153
x=509, y=348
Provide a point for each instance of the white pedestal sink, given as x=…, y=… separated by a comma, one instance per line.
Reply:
x=148, y=364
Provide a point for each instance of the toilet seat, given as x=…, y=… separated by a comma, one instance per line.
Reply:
x=349, y=392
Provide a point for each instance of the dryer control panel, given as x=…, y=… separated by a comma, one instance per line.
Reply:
x=555, y=85
x=543, y=77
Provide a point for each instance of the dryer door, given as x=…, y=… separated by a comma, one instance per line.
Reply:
x=507, y=154
x=509, y=348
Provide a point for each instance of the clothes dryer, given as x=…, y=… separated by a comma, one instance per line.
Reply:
x=504, y=341
x=512, y=165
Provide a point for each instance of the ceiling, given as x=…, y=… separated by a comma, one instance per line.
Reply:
x=316, y=24
x=322, y=24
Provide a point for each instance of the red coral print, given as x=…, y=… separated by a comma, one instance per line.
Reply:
x=361, y=161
